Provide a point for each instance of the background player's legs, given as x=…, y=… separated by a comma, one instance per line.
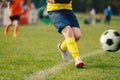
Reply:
x=7, y=27
x=16, y=28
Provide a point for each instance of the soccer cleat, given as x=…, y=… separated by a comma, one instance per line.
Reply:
x=79, y=63
x=63, y=53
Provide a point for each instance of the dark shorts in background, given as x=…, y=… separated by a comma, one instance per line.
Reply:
x=108, y=18
x=63, y=18
x=16, y=17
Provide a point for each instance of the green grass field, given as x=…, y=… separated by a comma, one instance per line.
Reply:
x=33, y=55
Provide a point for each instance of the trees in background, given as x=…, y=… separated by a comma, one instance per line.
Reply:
x=86, y=5
x=99, y=5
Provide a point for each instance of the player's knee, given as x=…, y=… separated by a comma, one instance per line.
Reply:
x=67, y=32
x=77, y=37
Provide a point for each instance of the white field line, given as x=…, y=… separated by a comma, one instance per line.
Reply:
x=41, y=75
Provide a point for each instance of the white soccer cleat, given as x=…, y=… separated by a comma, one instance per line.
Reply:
x=79, y=63
x=63, y=53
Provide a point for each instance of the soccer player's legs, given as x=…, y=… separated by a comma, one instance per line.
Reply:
x=72, y=34
x=60, y=22
x=15, y=29
x=72, y=46
x=16, y=23
x=70, y=41
x=6, y=30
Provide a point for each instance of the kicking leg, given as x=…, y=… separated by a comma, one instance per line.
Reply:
x=71, y=38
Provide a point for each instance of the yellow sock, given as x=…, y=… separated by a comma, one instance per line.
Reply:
x=72, y=48
x=63, y=45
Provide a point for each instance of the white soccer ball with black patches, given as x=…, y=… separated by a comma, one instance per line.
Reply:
x=110, y=40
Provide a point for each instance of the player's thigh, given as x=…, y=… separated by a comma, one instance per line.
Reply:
x=59, y=20
x=77, y=33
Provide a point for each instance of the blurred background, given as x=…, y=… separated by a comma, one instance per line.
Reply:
x=38, y=9
x=99, y=5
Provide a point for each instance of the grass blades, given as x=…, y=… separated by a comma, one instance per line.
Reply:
x=35, y=51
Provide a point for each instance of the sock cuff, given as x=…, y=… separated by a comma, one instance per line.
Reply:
x=67, y=39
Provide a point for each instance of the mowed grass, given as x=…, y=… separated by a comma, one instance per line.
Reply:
x=35, y=50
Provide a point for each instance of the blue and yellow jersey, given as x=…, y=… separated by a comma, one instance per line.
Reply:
x=59, y=4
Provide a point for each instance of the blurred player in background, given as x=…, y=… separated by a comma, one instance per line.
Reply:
x=108, y=14
x=62, y=16
x=14, y=9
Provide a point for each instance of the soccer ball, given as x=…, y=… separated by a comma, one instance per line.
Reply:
x=110, y=40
